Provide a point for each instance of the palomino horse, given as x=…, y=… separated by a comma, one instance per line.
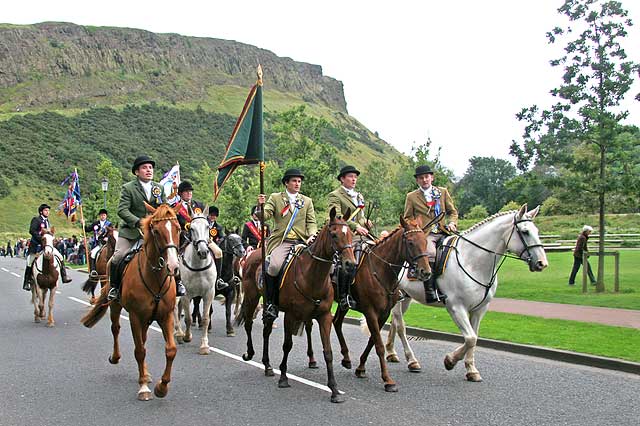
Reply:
x=232, y=252
x=46, y=270
x=376, y=288
x=148, y=293
x=102, y=257
x=470, y=280
x=199, y=276
x=305, y=294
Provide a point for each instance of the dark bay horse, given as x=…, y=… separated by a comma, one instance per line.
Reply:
x=376, y=288
x=305, y=294
x=103, y=256
x=148, y=293
x=45, y=270
x=232, y=252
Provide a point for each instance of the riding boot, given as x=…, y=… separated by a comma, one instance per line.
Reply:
x=344, y=291
x=92, y=267
x=63, y=273
x=26, y=284
x=114, y=282
x=220, y=283
x=431, y=291
x=270, y=311
x=180, y=290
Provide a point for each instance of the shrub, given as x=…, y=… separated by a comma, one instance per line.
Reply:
x=511, y=205
x=477, y=212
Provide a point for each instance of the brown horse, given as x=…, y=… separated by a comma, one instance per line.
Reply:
x=376, y=290
x=103, y=256
x=45, y=270
x=305, y=294
x=148, y=293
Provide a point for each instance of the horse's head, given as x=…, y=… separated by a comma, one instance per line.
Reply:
x=47, y=241
x=415, y=247
x=341, y=240
x=162, y=231
x=526, y=243
x=199, y=234
x=233, y=244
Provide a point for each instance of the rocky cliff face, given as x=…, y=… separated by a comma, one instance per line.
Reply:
x=62, y=64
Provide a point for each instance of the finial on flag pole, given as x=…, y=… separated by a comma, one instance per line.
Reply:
x=259, y=74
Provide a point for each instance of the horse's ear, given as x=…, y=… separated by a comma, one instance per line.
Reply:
x=522, y=211
x=533, y=213
x=236, y=231
x=149, y=207
x=332, y=214
x=403, y=222
x=205, y=210
x=419, y=222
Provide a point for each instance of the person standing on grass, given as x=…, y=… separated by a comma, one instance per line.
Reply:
x=581, y=247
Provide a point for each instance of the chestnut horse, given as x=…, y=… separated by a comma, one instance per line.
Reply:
x=305, y=294
x=102, y=257
x=148, y=293
x=376, y=288
x=46, y=270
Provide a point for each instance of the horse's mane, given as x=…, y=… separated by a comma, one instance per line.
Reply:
x=163, y=212
x=389, y=235
x=487, y=220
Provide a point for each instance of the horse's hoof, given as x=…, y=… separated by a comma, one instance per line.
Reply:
x=337, y=399
x=92, y=301
x=346, y=364
x=204, y=350
x=186, y=339
x=313, y=364
x=283, y=383
x=415, y=367
x=474, y=377
x=145, y=396
x=449, y=363
x=36, y=320
x=268, y=371
x=180, y=339
x=246, y=357
x=112, y=361
x=393, y=358
x=161, y=390
x=361, y=374
x=390, y=387
x=51, y=324
x=231, y=333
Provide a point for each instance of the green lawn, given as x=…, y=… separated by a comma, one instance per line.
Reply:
x=550, y=285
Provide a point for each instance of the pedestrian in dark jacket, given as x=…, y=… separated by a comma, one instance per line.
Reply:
x=581, y=247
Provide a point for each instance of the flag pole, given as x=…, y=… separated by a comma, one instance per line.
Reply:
x=84, y=233
x=262, y=165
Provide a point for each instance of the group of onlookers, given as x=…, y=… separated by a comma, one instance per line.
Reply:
x=71, y=248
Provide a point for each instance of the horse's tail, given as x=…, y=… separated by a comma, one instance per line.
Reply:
x=239, y=320
x=90, y=285
x=99, y=309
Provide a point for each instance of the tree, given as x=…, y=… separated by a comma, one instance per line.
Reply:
x=584, y=124
x=484, y=183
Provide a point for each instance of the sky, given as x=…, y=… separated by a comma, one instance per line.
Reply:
x=454, y=72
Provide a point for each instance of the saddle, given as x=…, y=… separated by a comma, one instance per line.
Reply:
x=293, y=252
x=443, y=250
x=120, y=267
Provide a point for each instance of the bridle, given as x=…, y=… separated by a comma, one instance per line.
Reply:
x=502, y=255
x=412, y=260
x=195, y=247
x=161, y=260
x=337, y=251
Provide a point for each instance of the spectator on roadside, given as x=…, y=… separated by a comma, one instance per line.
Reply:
x=9, y=249
x=581, y=247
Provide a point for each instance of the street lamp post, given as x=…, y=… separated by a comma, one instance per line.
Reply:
x=105, y=188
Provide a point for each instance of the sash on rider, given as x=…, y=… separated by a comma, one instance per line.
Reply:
x=254, y=230
x=354, y=214
x=296, y=208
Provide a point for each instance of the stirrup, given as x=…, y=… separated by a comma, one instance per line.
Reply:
x=93, y=273
x=270, y=312
x=221, y=284
x=114, y=294
x=435, y=296
x=348, y=302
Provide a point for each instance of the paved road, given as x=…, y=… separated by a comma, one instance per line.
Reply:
x=61, y=376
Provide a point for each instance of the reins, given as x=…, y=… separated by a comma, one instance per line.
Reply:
x=195, y=245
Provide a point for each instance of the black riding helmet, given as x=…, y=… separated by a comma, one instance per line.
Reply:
x=42, y=207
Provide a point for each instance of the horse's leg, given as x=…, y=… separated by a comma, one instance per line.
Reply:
x=286, y=348
x=308, y=327
x=195, y=314
x=375, y=325
x=114, y=312
x=228, y=301
x=473, y=375
x=249, y=305
x=162, y=386
x=461, y=317
x=35, y=300
x=267, y=327
x=144, y=393
x=401, y=328
x=324, y=323
x=52, y=295
x=177, y=324
x=147, y=375
x=204, y=341
x=185, y=302
x=338, y=319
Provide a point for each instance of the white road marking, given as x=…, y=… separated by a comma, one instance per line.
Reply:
x=235, y=357
x=5, y=269
x=16, y=275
